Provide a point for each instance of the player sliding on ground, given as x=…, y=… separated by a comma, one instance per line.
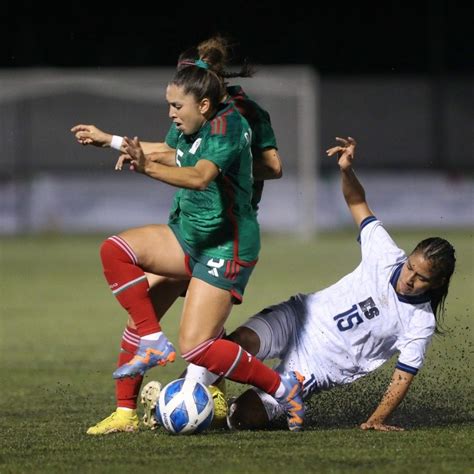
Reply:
x=389, y=304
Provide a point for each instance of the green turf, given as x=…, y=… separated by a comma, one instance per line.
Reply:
x=60, y=330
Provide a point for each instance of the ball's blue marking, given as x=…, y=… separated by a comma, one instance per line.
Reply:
x=172, y=389
x=201, y=397
x=179, y=417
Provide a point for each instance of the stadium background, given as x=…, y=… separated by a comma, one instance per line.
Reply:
x=397, y=77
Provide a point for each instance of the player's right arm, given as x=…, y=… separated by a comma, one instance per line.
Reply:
x=91, y=135
x=395, y=393
x=197, y=177
x=353, y=192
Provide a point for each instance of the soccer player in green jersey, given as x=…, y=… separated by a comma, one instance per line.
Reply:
x=211, y=240
x=266, y=159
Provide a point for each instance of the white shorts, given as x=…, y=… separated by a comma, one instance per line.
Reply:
x=278, y=330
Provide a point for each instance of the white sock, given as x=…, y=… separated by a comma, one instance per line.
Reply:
x=280, y=391
x=200, y=374
x=153, y=336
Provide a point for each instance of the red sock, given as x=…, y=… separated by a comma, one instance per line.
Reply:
x=228, y=359
x=126, y=389
x=129, y=284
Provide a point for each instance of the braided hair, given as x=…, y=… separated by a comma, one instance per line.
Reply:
x=440, y=253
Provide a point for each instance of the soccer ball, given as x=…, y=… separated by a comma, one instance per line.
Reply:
x=185, y=407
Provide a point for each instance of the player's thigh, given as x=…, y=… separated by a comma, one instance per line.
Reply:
x=275, y=327
x=164, y=291
x=206, y=308
x=157, y=250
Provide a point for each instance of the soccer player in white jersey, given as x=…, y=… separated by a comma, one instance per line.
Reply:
x=389, y=304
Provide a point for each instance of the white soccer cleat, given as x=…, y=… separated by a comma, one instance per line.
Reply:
x=149, y=399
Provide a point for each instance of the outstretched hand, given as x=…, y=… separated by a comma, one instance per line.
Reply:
x=346, y=150
x=91, y=135
x=379, y=427
x=124, y=158
x=133, y=154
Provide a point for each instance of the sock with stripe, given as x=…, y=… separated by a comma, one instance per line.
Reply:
x=127, y=389
x=228, y=359
x=129, y=284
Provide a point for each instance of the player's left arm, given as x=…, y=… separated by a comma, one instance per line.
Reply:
x=267, y=165
x=163, y=157
x=195, y=177
x=395, y=393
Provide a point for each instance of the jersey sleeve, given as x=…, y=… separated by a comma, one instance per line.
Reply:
x=376, y=243
x=172, y=136
x=414, y=343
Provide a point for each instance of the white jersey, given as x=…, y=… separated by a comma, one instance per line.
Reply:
x=341, y=333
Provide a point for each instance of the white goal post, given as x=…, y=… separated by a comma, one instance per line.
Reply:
x=277, y=89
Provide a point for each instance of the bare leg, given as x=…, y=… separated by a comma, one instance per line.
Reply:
x=206, y=309
x=164, y=291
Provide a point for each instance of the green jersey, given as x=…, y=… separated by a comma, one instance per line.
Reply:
x=219, y=221
x=263, y=136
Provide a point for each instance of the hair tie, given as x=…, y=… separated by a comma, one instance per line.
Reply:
x=191, y=62
x=202, y=64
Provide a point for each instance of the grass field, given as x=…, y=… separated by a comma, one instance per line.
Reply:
x=60, y=330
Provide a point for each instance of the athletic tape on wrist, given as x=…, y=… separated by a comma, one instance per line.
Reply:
x=116, y=142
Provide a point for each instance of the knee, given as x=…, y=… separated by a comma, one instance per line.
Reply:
x=193, y=342
x=108, y=250
x=246, y=338
x=104, y=249
x=116, y=248
x=189, y=344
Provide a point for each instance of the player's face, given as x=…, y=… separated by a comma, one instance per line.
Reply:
x=416, y=277
x=184, y=110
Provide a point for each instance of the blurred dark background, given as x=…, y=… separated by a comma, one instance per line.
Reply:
x=396, y=75
x=360, y=37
